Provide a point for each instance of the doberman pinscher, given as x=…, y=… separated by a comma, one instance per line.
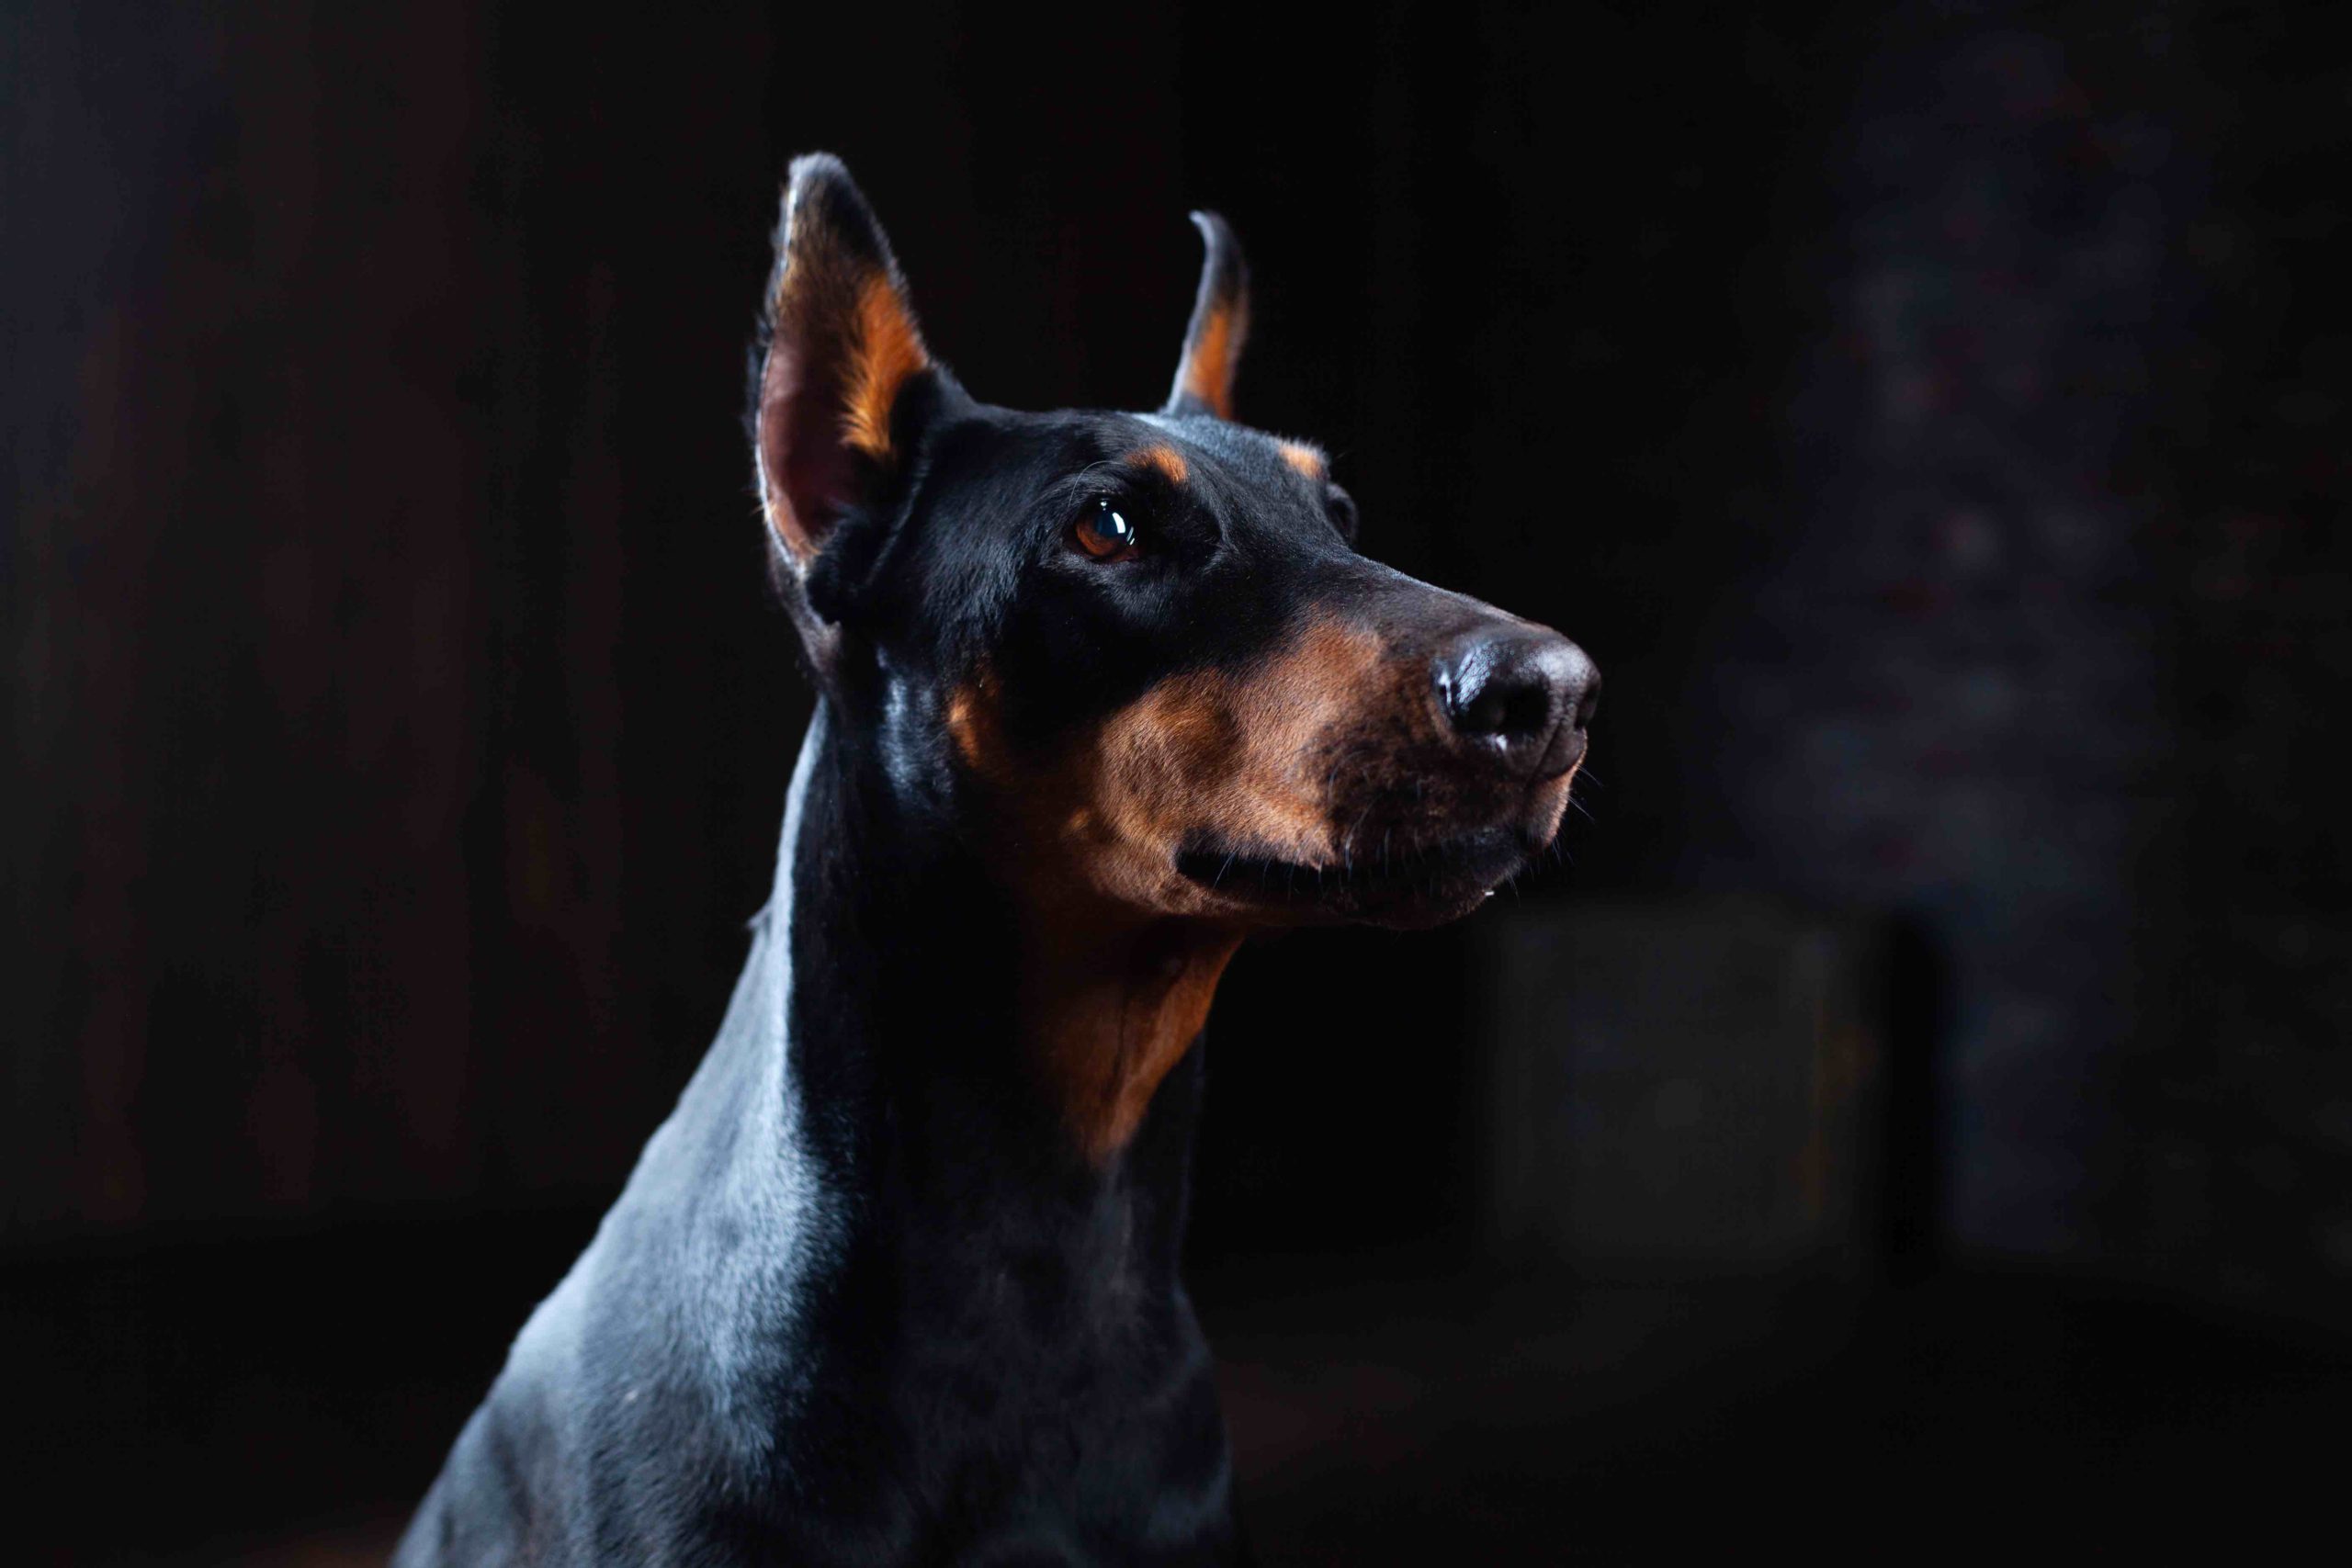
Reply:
x=1100, y=696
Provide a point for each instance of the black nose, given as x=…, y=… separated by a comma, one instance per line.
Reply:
x=1521, y=694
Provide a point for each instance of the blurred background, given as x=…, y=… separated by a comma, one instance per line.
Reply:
x=1921, y=1094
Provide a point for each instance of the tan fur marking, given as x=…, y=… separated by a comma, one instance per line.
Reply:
x=1109, y=1012
x=1121, y=953
x=1167, y=460
x=1240, y=756
x=1209, y=362
x=889, y=351
x=964, y=724
x=1303, y=458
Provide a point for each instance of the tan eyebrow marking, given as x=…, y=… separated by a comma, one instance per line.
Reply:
x=1167, y=460
x=1303, y=458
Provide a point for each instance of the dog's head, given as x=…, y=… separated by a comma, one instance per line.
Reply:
x=1136, y=660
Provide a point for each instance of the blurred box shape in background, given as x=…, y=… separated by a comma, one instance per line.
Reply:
x=1675, y=1088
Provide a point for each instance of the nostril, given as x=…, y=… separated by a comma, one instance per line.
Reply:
x=1492, y=691
x=1519, y=706
x=1481, y=713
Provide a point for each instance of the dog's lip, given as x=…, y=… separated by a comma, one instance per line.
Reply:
x=1448, y=870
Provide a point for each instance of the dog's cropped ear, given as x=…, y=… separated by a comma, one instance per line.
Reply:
x=841, y=348
x=1220, y=322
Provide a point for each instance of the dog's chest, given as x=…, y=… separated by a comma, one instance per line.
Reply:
x=1020, y=1400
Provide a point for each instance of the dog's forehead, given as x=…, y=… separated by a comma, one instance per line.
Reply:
x=1245, y=452
x=1217, y=458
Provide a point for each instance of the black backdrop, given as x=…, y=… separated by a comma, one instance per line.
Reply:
x=399, y=721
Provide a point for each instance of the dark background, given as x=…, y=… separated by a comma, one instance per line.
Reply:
x=1932, y=418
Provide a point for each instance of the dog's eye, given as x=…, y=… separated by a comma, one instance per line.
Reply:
x=1104, y=532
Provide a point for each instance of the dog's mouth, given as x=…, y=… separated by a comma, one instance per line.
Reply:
x=1390, y=881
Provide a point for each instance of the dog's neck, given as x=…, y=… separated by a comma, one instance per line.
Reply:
x=978, y=1073
x=864, y=1243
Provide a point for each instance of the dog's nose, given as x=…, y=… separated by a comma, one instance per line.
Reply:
x=1522, y=696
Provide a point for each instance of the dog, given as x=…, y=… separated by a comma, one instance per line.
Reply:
x=1100, y=696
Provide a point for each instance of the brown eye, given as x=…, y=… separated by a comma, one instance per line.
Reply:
x=1102, y=532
